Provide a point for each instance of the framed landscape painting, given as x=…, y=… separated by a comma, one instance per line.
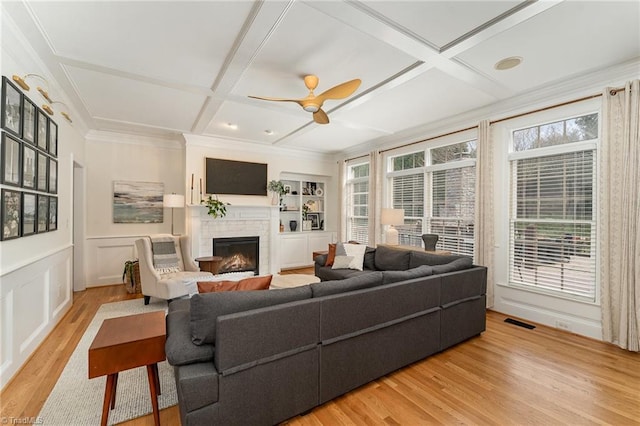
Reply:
x=42, y=213
x=137, y=202
x=11, y=206
x=28, y=213
x=11, y=158
x=11, y=108
x=28, y=167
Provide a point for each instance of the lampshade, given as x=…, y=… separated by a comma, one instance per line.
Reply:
x=173, y=200
x=392, y=217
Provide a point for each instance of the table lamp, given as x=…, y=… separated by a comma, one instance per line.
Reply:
x=174, y=201
x=392, y=217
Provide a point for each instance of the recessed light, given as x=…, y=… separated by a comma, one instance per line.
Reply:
x=269, y=132
x=508, y=63
x=232, y=126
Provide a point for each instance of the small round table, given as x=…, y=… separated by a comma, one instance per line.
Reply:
x=210, y=263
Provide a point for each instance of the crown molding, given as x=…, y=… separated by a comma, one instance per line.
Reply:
x=101, y=136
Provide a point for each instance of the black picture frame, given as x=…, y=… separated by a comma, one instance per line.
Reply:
x=315, y=220
x=29, y=208
x=11, y=205
x=11, y=161
x=53, y=213
x=11, y=110
x=29, y=167
x=42, y=182
x=42, y=214
x=42, y=130
x=53, y=176
x=53, y=138
x=29, y=112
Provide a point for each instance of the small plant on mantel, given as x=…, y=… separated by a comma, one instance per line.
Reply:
x=216, y=207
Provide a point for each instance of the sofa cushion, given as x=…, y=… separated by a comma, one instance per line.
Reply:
x=459, y=264
x=179, y=305
x=325, y=273
x=207, y=307
x=343, y=262
x=179, y=348
x=389, y=259
x=363, y=280
x=389, y=277
x=419, y=258
x=369, y=259
x=246, y=284
x=330, y=255
x=165, y=257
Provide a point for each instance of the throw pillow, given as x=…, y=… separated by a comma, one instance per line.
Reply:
x=165, y=258
x=342, y=262
x=247, y=284
x=355, y=250
x=331, y=256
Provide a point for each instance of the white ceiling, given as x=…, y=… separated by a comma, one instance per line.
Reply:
x=170, y=67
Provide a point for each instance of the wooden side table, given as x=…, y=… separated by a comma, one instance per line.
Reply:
x=210, y=264
x=128, y=342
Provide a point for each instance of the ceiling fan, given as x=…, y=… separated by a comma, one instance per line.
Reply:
x=313, y=103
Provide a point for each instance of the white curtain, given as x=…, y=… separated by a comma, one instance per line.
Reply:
x=342, y=202
x=619, y=217
x=375, y=197
x=484, y=235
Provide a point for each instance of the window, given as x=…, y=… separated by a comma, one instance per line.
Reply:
x=358, y=203
x=552, y=219
x=453, y=188
x=407, y=189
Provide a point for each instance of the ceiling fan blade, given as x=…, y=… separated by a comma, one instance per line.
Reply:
x=277, y=99
x=341, y=90
x=320, y=117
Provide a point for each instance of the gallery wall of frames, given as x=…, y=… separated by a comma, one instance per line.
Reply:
x=28, y=167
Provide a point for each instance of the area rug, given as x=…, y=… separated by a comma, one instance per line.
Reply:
x=77, y=400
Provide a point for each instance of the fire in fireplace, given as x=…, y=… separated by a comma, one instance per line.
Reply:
x=239, y=254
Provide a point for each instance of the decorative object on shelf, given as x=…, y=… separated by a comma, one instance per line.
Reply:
x=216, y=207
x=306, y=224
x=133, y=202
x=276, y=187
x=430, y=241
x=392, y=217
x=281, y=227
x=287, y=189
x=314, y=218
x=293, y=225
x=319, y=192
x=173, y=201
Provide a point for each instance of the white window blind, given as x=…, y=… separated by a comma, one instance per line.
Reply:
x=452, y=209
x=553, y=228
x=408, y=194
x=358, y=203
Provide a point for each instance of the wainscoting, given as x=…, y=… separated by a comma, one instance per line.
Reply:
x=105, y=258
x=33, y=299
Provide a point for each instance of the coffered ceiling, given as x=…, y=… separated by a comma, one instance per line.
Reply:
x=170, y=67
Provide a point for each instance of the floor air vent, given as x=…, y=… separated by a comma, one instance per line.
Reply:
x=520, y=323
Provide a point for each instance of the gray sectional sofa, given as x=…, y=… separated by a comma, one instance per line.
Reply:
x=261, y=357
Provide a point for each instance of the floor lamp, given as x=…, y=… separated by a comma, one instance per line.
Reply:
x=392, y=217
x=174, y=201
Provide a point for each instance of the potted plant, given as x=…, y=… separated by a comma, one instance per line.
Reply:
x=277, y=188
x=216, y=207
x=306, y=224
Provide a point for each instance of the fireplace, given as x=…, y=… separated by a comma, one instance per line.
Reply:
x=239, y=254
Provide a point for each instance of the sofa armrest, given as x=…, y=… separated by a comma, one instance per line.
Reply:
x=320, y=259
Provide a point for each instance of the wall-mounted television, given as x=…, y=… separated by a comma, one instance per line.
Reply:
x=235, y=177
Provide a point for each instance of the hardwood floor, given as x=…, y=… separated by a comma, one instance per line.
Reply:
x=508, y=375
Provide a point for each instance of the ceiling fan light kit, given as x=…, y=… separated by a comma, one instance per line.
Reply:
x=313, y=103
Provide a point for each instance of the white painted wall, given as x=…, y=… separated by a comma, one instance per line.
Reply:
x=112, y=157
x=36, y=271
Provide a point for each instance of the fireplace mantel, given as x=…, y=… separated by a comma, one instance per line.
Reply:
x=240, y=221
